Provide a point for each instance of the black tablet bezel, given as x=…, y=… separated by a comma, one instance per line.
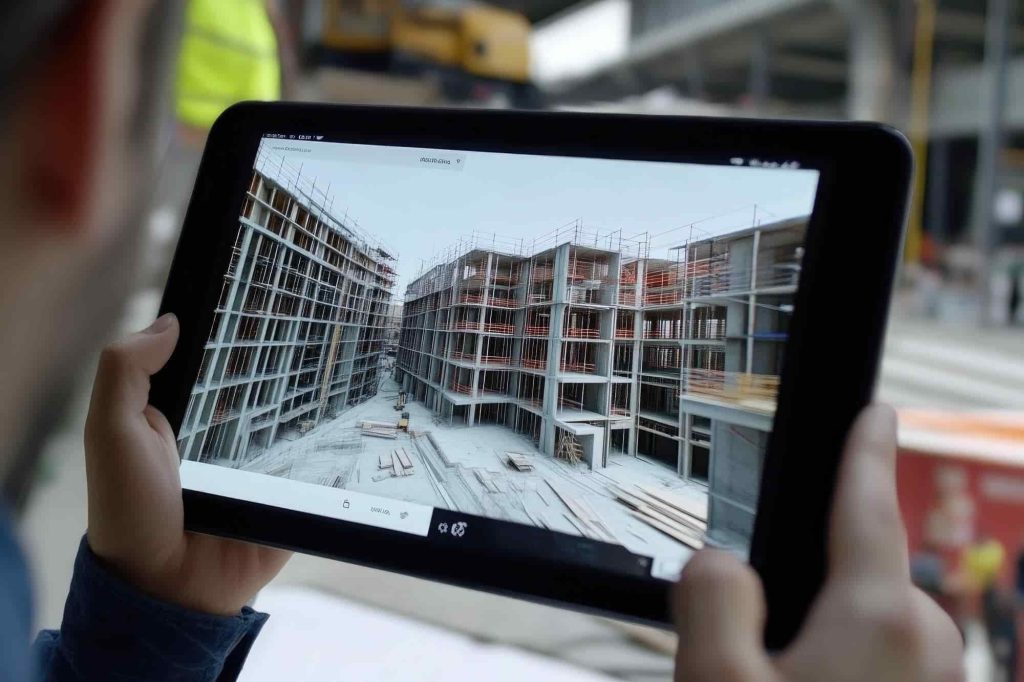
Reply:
x=830, y=365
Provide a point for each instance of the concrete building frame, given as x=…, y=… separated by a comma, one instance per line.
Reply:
x=675, y=359
x=299, y=329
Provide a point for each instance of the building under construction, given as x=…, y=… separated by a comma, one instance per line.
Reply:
x=591, y=352
x=299, y=328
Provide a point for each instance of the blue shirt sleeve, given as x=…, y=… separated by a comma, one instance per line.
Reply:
x=111, y=631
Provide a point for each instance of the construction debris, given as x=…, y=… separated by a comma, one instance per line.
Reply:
x=584, y=517
x=519, y=462
x=670, y=514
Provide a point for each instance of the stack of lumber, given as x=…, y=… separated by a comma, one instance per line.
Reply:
x=519, y=462
x=379, y=429
x=401, y=462
x=672, y=514
x=395, y=463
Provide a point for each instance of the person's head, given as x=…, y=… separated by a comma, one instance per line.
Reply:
x=82, y=86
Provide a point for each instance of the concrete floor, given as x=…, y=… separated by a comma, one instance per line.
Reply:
x=477, y=453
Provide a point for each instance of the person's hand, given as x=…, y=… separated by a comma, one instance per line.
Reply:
x=136, y=518
x=868, y=623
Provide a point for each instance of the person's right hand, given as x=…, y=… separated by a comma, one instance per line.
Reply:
x=868, y=624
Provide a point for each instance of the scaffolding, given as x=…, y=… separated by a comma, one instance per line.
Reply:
x=604, y=336
x=298, y=330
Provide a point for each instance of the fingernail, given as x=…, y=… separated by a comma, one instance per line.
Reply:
x=160, y=324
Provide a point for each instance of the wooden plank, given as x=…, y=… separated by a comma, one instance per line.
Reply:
x=384, y=461
x=585, y=517
x=678, y=502
x=664, y=514
x=378, y=433
x=595, y=520
x=672, y=512
x=396, y=464
x=579, y=526
x=675, y=534
x=404, y=458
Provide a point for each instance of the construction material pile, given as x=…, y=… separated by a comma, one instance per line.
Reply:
x=518, y=461
x=670, y=513
x=379, y=429
x=395, y=463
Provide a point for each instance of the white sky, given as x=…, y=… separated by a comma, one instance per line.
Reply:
x=419, y=210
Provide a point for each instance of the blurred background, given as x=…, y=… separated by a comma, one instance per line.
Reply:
x=950, y=73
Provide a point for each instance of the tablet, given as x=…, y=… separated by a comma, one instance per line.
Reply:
x=549, y=355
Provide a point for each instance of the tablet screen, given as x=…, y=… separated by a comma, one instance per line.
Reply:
x=569, y=357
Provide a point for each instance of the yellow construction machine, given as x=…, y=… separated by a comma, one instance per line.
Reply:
x=475, y=50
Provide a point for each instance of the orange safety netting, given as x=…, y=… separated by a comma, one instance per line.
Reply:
x=581, y=367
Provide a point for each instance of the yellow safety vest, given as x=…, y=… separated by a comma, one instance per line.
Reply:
x=228, y=54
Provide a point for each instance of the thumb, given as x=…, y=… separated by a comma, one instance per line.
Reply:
x=122, y=379
x=720, y=611
x=866, y=540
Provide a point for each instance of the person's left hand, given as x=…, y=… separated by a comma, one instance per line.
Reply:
x=136, y=517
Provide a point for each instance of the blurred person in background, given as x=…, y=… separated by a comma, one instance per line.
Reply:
x=231, y=51
x=982, y=566
x=82, y=82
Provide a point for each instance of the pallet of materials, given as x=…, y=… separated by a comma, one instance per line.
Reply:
x=379, y=430
x=518, y=461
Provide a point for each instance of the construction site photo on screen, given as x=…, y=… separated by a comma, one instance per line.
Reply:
x=590, y=346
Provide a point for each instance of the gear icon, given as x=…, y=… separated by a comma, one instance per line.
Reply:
x=442, y=527
x=459, y=528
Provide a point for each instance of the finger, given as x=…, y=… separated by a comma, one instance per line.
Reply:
x=122, y=379
x=943, y=655
x=867, y=540
x=720, y=611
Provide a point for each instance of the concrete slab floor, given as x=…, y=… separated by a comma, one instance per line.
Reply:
x=471, y=475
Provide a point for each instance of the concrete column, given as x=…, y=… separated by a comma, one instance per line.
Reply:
x=872, y=59
x=752, y=303
x=638, y=327
x=759, y=79
x=938, y=189
x=557, y=310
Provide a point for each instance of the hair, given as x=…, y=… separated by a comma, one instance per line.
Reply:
x=32, y=24
x=106, y=281
x=37, y=23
